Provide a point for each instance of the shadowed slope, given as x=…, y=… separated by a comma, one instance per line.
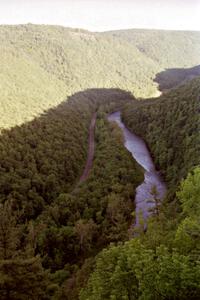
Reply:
x=91, y=146
x=171, y=78
x=46, y=156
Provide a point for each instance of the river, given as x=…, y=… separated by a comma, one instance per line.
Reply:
x=137, y=147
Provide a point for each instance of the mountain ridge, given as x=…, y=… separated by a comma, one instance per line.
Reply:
x=43, y=65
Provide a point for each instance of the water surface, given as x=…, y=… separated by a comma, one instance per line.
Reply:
x=140, y=152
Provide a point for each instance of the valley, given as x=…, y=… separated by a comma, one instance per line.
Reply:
x=153, y=186
x=99, y=179
x=41, y=66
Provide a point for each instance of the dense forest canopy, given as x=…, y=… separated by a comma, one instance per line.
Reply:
x=46, y=155
x=167, y=48
x=42, y=65
x=162, y=263
x=65, y=239
x=41, y=163
x=54, y=231
x=171, y=127
x=171, y=78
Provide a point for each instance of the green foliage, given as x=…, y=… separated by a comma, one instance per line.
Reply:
x=170, y=78
x=136, y=271
x=46, y=212
x=189, y=194
x=170, y=125
x=67, y=222
x=9, y=232
x=168, y=49
x=45, y=157
x=21, y=276
x=188, y=232
x=42, y=65
x=96, y=212
x=22, y=279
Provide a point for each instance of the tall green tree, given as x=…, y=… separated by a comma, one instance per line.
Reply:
x=21, y=276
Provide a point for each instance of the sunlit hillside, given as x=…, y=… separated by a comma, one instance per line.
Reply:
x=42, y=65
x=169, y=49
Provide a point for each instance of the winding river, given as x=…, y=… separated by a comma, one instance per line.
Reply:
x=140, y=152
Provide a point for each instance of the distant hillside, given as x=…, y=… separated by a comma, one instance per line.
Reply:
x=169, y=49
x=42, y=65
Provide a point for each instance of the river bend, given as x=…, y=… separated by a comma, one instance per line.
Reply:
x=137, y=147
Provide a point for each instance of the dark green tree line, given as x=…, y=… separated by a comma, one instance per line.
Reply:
x=170, y=125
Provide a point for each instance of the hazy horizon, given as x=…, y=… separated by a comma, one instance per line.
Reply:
x=104, y=15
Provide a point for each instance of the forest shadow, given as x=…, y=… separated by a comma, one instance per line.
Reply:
x=45, y=156
x=41, y=162
x=92, y=96
x=171, y=78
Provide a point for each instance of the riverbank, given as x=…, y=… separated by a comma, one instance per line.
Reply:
x=153, y=183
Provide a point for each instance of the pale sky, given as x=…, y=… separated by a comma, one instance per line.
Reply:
x=102, y=15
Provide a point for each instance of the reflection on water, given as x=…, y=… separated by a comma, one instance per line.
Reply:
x=139, y=151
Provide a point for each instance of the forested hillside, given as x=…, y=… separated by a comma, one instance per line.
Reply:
x=163, y=262
x=61, y=238
x=43, y=157
x=69, y=240
x=42, y=65
x=52, y=214
x=171, y=78
x=170, y=125
x=168, y=48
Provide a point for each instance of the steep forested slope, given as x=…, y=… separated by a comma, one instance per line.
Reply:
x=42, y=65
x=171, y=127
x=51, y=226
x=47, y=155
x=44, y=212
x=51, y=213
x=168, y=48
x=163, y=262
x=79, y=224
x=171, y=78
